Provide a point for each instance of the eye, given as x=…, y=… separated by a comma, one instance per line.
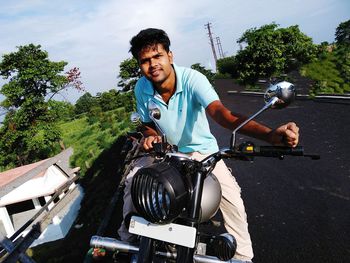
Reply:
x=143, y=61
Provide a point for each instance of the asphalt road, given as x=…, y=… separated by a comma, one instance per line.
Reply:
x=298, y=209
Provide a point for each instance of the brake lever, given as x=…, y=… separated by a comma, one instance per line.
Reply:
x=161, y=148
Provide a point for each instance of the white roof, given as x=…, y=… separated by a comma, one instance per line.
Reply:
x=44, y=185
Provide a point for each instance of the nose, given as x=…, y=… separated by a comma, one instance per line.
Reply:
x=153, y=62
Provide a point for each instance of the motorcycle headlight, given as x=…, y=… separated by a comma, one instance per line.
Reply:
x=159, y=192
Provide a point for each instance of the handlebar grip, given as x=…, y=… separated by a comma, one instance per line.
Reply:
x=161, y=147
x=276, y=151
x=158, y=147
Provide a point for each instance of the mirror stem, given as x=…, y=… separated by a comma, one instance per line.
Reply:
x=268, y=105
x=164, y=139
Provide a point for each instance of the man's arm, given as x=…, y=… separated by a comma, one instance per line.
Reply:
x=287, y=134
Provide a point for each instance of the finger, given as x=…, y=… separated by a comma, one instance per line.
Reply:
x=290, y=134
x=293, y=127
x=291, y=142
x=156, y=139
x=291, y=138
x=145, y=146
x=148, y=143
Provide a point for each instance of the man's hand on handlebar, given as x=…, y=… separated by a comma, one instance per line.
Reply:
x=148, y=142
x=287, y=135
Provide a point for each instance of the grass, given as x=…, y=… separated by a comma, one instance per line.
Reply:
x=98, y=150
x=90, y=135
x=326, y=74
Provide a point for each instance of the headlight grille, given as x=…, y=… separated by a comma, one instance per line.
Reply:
x=159, y=192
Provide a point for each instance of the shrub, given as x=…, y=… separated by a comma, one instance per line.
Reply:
x=326, y=74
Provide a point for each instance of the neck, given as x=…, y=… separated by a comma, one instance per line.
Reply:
x=168, y=87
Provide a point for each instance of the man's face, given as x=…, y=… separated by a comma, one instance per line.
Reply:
x=156, y=63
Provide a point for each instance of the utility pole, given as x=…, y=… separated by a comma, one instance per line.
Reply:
x=218, y=43
x=207, y=26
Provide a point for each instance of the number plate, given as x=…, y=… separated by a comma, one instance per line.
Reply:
x=172, y=233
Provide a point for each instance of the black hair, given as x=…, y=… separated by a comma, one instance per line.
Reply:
x=148, y=38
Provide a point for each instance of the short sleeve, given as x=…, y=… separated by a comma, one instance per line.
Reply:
x=141, y=103
x=203, y=91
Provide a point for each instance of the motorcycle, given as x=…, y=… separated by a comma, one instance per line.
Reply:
x=176, y=194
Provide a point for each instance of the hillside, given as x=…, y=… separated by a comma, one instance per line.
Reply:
x=90, y=135
x=326, y=73
x=98, y=143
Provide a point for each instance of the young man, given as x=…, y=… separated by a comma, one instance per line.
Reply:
x=184, y=97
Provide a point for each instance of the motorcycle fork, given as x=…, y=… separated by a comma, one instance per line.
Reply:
x=146, y=250
x=185, y=254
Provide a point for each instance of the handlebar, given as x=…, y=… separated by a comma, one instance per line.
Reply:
x=274, y=151
x=245, y=151
x=248, y=150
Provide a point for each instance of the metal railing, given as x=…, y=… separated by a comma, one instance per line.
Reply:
x=14, y=248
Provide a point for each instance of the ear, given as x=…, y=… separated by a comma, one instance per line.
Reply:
x=171, y=57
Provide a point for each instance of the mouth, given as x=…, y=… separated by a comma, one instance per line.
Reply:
x=155, y=73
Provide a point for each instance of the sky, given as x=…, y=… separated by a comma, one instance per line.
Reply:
x=94, y=35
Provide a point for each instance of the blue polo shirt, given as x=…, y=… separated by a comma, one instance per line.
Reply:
x=183, y=119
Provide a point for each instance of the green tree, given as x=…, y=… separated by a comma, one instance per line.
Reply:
x=270, y=51
x=110, y=100
x=84, y=103
x=60, y=110
x=322, y=51
x=228, y=65
x=297, y=48
x=342, y=51
x=342, y=33
x=129, y=73
x=28, y=132
x=206, y=72
x=128, y=100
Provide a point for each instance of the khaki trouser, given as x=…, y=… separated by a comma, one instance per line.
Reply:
x=231, y=205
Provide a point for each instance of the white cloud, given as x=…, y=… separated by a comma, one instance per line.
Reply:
x=94, y=35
